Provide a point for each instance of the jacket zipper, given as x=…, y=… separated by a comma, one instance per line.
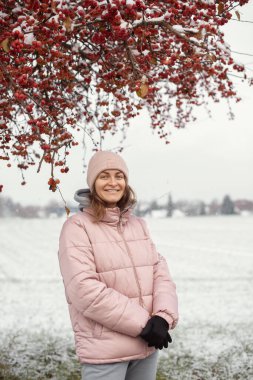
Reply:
x=141, y=302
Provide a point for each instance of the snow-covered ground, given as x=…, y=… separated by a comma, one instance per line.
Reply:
x=211, y=261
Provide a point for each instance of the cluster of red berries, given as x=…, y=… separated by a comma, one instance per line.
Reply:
x=56, y=72
x=53, y=184
x=64, y=170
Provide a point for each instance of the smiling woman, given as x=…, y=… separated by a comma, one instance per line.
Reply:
x=110, y=186
x=107, y=178
x=122, y=299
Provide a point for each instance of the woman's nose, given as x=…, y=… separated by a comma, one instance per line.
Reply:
x=112, y=181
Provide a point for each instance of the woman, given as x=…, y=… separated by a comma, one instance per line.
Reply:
x=122, y=300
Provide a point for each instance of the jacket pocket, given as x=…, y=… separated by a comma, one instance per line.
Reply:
x=97, y=330
x=85, y=325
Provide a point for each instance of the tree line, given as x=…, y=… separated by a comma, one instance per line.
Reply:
x=170, y=208
x=156, y=208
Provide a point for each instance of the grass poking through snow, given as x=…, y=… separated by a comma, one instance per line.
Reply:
x=40, y=357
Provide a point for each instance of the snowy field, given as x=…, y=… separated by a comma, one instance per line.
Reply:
x=211, y=261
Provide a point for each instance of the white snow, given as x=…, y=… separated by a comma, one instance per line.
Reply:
x=153, y=19
x=124, y=24
x=223, y=47
x=75, y=47
x=208, y=1
x=16, y=9
x=210, y=258
x=193, y=39
x=29, y=38
x=179, y=28
x=59, y=5
x=193, y=30
x=3, y=15
x=18, y=28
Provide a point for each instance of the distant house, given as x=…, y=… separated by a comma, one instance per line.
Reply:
x=243, y=206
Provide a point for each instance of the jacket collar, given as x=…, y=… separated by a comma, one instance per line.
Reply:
x=113, y=216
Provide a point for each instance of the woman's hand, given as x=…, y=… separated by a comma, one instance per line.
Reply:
x=156, y=332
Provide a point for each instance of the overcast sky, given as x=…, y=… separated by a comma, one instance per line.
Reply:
x=206, y=160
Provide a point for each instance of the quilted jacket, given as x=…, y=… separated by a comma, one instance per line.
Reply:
x=114, y=281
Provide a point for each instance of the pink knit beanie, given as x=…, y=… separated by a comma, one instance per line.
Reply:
x=104, y=160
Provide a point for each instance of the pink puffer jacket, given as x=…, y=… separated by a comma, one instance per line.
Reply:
x=114, y=281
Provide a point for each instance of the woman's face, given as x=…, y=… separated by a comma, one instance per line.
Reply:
x=110, y=186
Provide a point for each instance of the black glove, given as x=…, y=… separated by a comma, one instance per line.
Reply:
x=156, y=332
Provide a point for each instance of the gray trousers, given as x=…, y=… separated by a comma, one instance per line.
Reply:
x=141, y=369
